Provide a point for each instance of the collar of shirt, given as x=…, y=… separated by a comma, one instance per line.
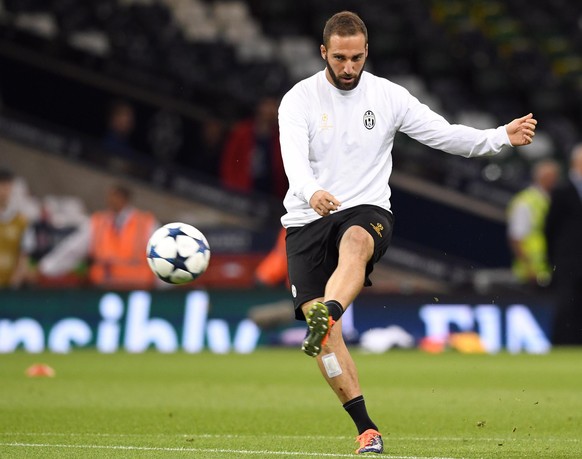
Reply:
x=345, y=92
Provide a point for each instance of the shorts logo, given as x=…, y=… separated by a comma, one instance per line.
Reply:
x=294, y=291
x=378, y=228
x=369, y=119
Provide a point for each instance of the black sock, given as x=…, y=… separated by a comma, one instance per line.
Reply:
x=356, y=408
x=335, y=309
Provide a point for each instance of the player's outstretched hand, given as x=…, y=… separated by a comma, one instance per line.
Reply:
x=323, y=202
x=522, y=130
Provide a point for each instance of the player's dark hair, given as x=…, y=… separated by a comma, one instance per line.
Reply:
x=344, y=24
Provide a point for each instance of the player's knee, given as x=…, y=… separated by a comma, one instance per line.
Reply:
x=357, y=239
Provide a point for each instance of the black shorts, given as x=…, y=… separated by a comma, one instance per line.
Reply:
x=313, y=249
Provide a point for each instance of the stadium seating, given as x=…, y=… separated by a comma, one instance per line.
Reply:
x=477, y=62
x=477, y=57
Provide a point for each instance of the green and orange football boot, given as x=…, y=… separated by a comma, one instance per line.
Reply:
x=319, y=324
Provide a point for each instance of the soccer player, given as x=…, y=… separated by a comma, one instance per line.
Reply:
x=337, y=129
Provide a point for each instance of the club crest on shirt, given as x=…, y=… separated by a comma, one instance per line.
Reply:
x=325, y=122
x=369, y=119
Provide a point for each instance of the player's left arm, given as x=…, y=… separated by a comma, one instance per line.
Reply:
x=521, y=130
x=421, y=123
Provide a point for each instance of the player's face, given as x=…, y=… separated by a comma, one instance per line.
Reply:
x=345, y=58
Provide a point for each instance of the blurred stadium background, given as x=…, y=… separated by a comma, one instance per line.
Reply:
x=184, y=63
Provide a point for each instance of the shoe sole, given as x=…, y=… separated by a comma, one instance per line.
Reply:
x=371, y=451
x=377, y=449
x=318, y=323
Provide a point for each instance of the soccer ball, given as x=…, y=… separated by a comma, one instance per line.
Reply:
x=178, y=253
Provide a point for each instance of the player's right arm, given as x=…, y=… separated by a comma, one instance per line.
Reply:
x=294, y=139
x=323, y=202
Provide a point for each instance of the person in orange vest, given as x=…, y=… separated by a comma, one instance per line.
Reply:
x=272, y=270
x=114, y=242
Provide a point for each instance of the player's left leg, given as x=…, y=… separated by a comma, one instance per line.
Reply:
x=356, y=248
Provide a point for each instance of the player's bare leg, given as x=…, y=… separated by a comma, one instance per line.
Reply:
x=334, y=360
x=345, y=385
x=355, y=250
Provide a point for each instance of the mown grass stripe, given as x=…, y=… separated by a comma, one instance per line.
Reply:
x=204, y=450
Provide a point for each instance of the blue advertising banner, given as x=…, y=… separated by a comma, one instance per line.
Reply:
x=239, y=321
x=517, y=324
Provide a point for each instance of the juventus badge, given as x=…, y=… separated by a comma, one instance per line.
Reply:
x=369, y=119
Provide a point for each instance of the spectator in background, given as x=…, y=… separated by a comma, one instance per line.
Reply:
x=564, y=236
x=526, y=219
x=57, y=218
x=114, y=241
x=120, y=126
x=251, y=160
x=272, y=270
x=13, y=226
x=208, y=148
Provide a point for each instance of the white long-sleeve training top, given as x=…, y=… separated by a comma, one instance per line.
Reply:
x=341, y=141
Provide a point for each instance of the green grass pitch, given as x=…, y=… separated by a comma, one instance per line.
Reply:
x=275, y=404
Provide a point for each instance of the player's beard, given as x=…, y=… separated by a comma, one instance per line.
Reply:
x=338, y=83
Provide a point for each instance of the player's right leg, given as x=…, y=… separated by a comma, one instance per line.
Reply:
x=339, y=370
x=338, y=367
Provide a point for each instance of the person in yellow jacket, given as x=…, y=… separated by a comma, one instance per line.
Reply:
x=114, y=242
x=13, y=225
x=526, y=216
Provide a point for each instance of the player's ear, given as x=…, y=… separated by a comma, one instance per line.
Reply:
x=323, y=51
x=366, y=50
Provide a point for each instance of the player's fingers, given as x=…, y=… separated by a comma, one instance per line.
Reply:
x=331, y=205
x=529, y=132
x=531, y=125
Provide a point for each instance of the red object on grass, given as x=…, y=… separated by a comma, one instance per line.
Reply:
x=40, y=370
